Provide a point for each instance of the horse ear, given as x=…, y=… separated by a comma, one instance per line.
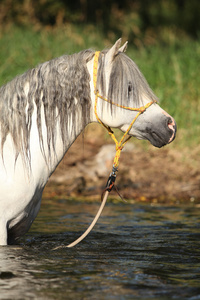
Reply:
x=124, y=47
x=114, y=50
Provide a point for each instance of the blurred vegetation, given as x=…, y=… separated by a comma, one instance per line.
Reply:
x=136, y=20
x=164, y=40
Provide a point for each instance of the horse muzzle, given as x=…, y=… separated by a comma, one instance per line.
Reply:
x=162, y=133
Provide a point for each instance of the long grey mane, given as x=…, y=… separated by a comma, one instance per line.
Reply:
x=127, y=85
x=53, y=87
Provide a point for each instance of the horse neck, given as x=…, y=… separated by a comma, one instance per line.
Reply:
x=52, y=151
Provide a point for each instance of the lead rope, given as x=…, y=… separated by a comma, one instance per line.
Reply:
x=119, y=146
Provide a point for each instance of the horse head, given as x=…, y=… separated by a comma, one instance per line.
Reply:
x=122, y=92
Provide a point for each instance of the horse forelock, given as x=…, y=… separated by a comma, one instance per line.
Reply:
x=58, y=89
x=127, y=86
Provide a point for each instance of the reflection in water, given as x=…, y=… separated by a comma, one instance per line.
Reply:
x=134, y=252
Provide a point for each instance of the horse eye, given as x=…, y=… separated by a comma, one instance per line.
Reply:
x=130, y=88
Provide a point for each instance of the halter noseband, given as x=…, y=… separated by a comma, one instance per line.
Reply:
x=123, y=141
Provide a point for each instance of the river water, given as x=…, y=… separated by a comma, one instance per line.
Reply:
x=134, y=252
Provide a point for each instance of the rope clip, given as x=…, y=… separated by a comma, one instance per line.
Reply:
x=111, y=180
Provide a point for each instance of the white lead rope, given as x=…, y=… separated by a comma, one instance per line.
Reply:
x=91, y=225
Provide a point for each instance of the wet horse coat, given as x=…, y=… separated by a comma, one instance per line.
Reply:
x=44, y=110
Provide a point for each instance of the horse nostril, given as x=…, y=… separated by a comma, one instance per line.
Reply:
x=170, y=123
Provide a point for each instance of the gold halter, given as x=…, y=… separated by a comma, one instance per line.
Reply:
x=119, y=144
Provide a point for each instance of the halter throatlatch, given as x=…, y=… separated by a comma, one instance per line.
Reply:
x=119, y=146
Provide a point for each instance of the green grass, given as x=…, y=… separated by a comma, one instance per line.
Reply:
x=171, y=70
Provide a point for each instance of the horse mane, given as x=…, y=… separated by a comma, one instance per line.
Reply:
x=127, y=86
x=57, y=88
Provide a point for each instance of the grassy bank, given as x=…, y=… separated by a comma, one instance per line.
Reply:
x=171, y=70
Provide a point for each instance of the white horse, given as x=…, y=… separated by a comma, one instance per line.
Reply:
x=44, y=110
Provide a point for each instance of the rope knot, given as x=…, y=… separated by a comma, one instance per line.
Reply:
x=96, y=92
x=119, y=147
x=142, y=109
